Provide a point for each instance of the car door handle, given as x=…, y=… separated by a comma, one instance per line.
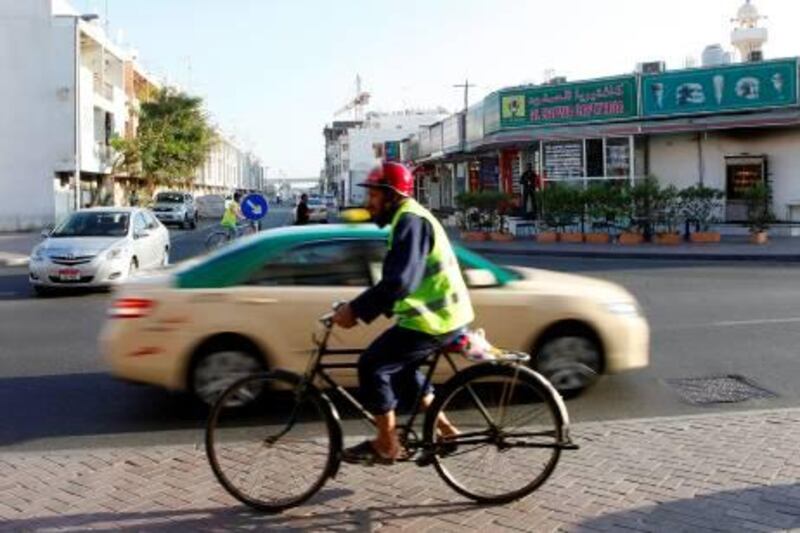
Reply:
x=255, y=300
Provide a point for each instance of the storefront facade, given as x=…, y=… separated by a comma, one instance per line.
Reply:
x=727, y=127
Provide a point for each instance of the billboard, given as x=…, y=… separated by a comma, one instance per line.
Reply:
x=568, y=103
x=740, y=87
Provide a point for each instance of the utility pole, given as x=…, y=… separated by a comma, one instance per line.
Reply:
x=466, y=86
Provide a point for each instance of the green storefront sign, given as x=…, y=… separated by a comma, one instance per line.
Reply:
x=728, y=88
x=591, y=101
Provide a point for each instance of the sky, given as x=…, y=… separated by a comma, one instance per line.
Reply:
x=274, y=72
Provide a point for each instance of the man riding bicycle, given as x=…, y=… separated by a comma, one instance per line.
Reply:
x=423, y=288
x=232, y=215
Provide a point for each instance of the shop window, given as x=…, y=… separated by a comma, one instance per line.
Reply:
x=618, y=158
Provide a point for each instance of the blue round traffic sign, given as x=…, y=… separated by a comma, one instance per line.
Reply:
x=254, y=206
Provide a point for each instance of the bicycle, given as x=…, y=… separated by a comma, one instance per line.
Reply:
x=222, y=236
x=505, y=412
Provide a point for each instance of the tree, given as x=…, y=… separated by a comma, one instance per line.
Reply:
x=172, y=141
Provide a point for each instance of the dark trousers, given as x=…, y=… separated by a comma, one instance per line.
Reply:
x=389, y=368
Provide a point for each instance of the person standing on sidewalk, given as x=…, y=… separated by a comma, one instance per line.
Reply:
x=302, y=214
x=527, y=181
x=422, y=287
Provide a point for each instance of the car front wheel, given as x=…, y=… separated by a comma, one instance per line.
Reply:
x=571, y=362
x=219, y=368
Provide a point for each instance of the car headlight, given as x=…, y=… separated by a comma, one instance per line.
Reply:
x=115, y=253
x=624, y=308
x=37, y=255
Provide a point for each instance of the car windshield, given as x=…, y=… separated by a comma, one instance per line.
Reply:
x=169, y=198
x=93, y=224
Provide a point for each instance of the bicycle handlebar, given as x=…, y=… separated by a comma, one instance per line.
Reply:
x=327, y=319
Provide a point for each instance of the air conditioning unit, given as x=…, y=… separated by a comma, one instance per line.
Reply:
x=557, y=80
x=651, y=67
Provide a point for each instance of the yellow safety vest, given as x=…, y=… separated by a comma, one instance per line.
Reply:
x=441, y=304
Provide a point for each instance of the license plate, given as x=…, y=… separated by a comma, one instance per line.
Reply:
x=69, y=274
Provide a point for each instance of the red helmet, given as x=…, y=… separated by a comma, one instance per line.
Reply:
x=393, y=176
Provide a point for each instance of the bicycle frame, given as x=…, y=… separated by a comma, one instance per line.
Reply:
x=317, y=369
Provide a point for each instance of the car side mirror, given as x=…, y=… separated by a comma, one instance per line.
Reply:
x=46, y=233
x=477, y=278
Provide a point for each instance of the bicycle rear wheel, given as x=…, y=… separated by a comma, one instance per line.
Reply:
x=510, y=430
x=216, y=239
x=272, y=454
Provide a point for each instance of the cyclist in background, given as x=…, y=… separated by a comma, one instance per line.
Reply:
x=232, y=215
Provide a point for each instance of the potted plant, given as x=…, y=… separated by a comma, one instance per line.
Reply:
x=633, y=232
x=644, y=198
x=603, y=206
x=470, y=219
x=701, y=207
x=550, y=202
x=495, y=206
x=563, y=206
x=759, y=213
x=668, y=213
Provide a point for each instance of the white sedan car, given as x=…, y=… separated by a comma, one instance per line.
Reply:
x=98, y=247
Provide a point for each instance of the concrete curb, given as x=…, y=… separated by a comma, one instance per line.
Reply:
x=676, y=256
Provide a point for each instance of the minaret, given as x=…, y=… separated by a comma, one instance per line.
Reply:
x=748, y=37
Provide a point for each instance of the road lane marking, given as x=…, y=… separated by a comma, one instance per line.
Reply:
x=730, y=323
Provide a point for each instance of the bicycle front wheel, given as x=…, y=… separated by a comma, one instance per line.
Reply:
x=279, y=449
x=216, y=239
x=509, y=432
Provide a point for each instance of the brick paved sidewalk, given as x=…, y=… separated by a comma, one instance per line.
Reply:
x=724, y=472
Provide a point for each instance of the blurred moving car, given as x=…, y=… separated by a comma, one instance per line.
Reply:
x=176, y=208
x=98, y=247
x=253, y=305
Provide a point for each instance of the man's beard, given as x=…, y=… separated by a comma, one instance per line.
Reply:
x=384, y=218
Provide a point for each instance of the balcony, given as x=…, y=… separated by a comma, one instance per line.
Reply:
x=103, y=89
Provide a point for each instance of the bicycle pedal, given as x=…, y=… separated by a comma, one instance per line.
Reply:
x=570, y=446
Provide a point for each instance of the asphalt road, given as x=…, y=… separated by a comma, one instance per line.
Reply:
x=708, y=319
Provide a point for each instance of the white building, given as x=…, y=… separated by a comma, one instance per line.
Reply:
x=40, y=139
x=358, y=149
x=229, y=168
x=69, y=90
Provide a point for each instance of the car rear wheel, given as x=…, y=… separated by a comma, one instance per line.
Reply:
x=220, y=367
x=571, y=362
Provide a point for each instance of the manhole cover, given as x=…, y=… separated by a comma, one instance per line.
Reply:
x=721, y=389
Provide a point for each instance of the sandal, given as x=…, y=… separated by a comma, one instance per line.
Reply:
x=365, y=454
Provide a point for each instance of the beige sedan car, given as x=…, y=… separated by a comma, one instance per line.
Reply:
x=255, y=304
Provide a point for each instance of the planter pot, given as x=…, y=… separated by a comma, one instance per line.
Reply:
x=474, y=236
x=668, y=239
x=598, y=238
x=547, y=237
x=631, y=239
x=705, y=237
x=759, y=237
x=571, y=237
x=500, y=237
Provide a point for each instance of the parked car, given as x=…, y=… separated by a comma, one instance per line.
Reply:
x=176, y=208
x=254, y=304
x=98, y=247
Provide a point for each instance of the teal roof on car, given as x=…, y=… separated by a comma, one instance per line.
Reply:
x=235, y=263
